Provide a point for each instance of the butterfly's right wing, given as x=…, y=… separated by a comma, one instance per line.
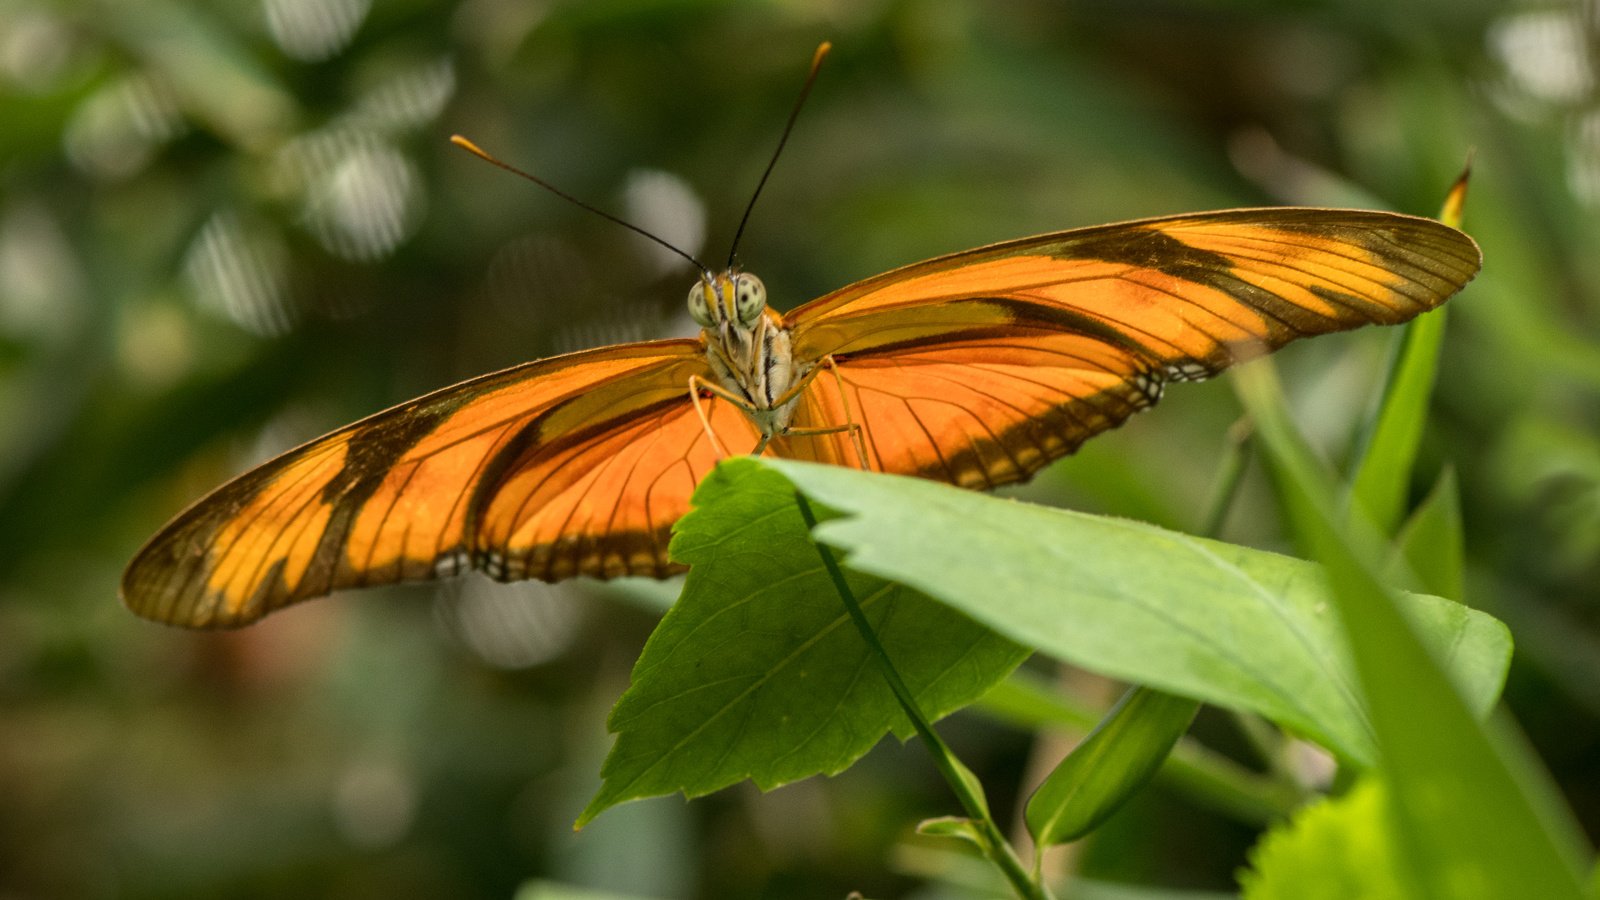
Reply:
x=980, y=367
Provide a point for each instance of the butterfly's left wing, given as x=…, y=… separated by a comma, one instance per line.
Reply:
x=981, y=367
x=577, y=464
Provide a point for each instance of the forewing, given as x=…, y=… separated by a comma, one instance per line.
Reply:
x=981, y=367
x=601, y=500
x=394, y=497
x=1190, y=295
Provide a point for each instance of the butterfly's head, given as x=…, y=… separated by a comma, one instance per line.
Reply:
x=732, y=299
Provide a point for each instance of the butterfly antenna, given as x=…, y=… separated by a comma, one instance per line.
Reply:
x=805, y=91
x=482, y=154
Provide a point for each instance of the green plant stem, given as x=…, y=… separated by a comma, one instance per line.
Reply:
x=967, y=792
x=1235, y=458
x=1267, y=741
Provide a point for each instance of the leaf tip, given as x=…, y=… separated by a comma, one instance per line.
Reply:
x=1455, y=200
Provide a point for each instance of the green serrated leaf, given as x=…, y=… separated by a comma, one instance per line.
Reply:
x=1225, y=624
x=1330, y=850
x=1109, y=766
x=757, y=673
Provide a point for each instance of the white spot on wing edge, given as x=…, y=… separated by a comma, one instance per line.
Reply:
x=451, y=564
x=1188, y=370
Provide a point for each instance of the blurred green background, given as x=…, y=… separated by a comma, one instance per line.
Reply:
x=228, y=227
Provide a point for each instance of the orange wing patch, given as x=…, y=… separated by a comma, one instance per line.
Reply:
x=294, y=515
x=980, y=408
x=390, y=498
x=980, y=367
x=602, y=500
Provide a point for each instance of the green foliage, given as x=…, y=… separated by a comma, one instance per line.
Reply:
x=1213, y=621
x=1380, y=482
x=1474, y=815
x=1111, y=764
x=1334, y=849
x=1553, y=469
x=757, y=671
x=1464, y=811
x=1212, y=779
x=1430, y=544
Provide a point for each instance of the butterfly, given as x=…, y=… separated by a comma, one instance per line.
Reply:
x=977, y=369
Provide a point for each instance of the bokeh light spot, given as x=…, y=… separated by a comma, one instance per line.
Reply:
x=314, y=30
x=366, y=203
x=510, y=626
x=667, y=207
x=375, y=803
x=409, y=98
x=41, y=281
x=115, y=131
x=1545, y=54
x=35, y=47
x=240, y=271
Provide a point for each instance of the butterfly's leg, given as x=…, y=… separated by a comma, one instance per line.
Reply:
x=695, y=384
x=857, y=436
x=855, y=430
x=799, y=386
x=851, y=426
x=698, y=384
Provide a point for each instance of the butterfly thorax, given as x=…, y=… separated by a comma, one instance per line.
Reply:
x=747, y=346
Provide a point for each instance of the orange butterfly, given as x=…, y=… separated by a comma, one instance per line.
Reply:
x=976, y=369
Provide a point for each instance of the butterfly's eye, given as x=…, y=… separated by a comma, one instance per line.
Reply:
x=699, y=311
x=750, y=298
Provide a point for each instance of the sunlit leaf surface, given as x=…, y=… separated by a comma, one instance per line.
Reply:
x=1201, y=618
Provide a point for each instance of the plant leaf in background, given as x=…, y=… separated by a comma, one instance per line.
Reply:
x=1379, y=484
x=1226, y=624
x=757, y=671
x=1334, y=849
x=1473, y=814
x=1109, y=766
x=1209, y=778
x=958, y=827
x=1431, y=544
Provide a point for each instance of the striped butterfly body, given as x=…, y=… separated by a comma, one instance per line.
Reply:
x=976, y=369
